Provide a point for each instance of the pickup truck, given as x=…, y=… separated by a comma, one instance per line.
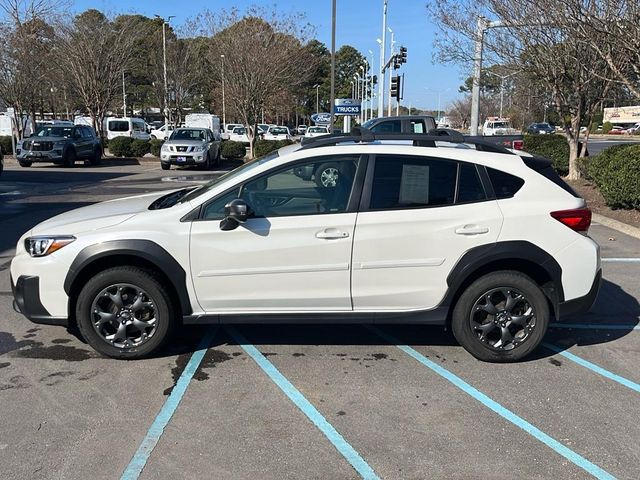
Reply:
x=425, y=123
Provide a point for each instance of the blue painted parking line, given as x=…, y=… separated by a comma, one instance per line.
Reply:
x=504, y=412
x=156, y=430
x=596, y=326
x=620, y=260
x=299, y=400
x=593, y=367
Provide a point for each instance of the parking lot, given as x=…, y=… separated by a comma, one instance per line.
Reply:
x=326, y=402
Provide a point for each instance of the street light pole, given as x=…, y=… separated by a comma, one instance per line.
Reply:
x=373, y=87
x=393, y=46
x=502, y=79
x=164, y=67
x=363, y=97
x=224, y=108
x=382, y=56
x=333, y=64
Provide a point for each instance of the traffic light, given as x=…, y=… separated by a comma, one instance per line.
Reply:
x=395, y=87
x=374, y=79
x=403, y=54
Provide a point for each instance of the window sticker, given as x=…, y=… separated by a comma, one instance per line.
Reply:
x=414, y=185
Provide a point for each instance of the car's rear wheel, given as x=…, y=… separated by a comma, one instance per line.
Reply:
x=125, y=312
x=69, y=158
x=501, y=317
x=25, y=163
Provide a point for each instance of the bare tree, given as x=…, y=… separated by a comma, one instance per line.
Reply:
x=537, y=37
x=264, y=56
x=94, y=52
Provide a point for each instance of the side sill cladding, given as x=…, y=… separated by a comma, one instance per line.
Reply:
x=146, y=250
x=514, y=251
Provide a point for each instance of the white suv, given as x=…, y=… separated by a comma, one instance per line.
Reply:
x=414, y=230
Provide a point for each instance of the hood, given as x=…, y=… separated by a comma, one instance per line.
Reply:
x=46, y=139
x=184, y=142
x=97, y=216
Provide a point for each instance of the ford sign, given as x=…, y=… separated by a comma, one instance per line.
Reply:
x=321, y=118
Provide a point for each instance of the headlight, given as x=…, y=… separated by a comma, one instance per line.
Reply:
x=165, y=147
x=199, y=148
x=43, y=246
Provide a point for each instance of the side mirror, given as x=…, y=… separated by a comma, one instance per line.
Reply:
x=235, y=212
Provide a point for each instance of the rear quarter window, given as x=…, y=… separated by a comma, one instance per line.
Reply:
x=504, y=184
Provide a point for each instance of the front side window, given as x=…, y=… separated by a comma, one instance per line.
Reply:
x=391, y=126
x=412, y=182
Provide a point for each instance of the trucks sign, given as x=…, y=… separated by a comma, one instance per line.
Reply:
x=347, y=106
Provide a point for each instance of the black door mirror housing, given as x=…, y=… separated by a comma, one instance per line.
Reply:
x=235, y=212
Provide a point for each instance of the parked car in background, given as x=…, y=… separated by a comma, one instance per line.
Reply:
x=634, y=130
x=1, y=161
x=161, y=133
x=61, y=144
x=498, y=126
x=302, y=129
x=278, y=133
x=262, y=128
x=540, y=129
x=203, y=120
x=239, y=134
x=618, y=130
x=316, y=131
x=228, y=128
x=190, y=146
x=126, y=127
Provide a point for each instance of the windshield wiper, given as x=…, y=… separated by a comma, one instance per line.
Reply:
x=170, y=199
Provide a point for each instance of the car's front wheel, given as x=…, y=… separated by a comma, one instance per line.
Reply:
x=165, y=166
x=501, y=317
x=25, y=163
x=125, y=312
x=69, y=160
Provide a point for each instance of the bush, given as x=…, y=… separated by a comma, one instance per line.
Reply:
x=233, y=150
x=155, y=146
x=606, y=127
x=121, y=146
x=139, y=148
x=616, y=171
x=554, y=147
x=6, y=145
x=264, y=147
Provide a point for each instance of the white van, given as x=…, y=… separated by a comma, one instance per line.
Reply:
x=126, y=127
x=203, y=120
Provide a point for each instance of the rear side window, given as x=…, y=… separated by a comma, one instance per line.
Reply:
x=417, y=126
x=469, y=185
x=504, y=184
x=412, y=182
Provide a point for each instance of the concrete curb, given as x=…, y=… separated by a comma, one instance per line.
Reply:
x=616, y=225
x=11, y=160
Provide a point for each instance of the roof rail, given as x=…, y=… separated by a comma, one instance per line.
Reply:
x=429, y=139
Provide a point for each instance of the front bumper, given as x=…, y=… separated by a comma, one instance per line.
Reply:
x=26, y=300
x=182, y=159
x=583, y=304
x=50, y=156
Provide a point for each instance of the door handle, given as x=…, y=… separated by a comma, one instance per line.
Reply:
x=471, y=230
x=331, y=234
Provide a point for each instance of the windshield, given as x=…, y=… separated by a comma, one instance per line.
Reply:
x=229, y=176
x=50, y=131
x=499, y=125
x=278, y=130
x=187, y=134
x=239, y=131
x=118, y=126
x=318, y=130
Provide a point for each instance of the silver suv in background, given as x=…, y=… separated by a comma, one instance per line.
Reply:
x=191, y=146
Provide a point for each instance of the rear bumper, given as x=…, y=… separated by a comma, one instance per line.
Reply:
x=26, y=300
x=580, y=305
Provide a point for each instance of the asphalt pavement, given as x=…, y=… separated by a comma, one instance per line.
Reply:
x=321, y=402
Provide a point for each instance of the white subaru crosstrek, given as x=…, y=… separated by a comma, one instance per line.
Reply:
x=415, y=229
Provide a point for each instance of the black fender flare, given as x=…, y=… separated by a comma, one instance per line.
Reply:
x=144, y=249
x=483, y=255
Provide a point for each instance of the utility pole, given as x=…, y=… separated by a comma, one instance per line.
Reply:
x=373, y=87
x=502, y=79
x=224, y=109
x=382, y=56
x=363, y=97
x=393, y=51
x=333, y=64
x=164, y=67
x=317, y=87
x=124, y=97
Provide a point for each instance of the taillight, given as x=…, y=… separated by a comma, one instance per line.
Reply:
x=518, y=144
x=578, y=219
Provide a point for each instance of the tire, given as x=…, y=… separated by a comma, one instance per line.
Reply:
x=483, y=319
x=70, y=158
x=326, y=175
x=109, y=289
x=25, y=163
x=165, y=166
x=153, y=137
x=97, y=156
x=218, y=155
